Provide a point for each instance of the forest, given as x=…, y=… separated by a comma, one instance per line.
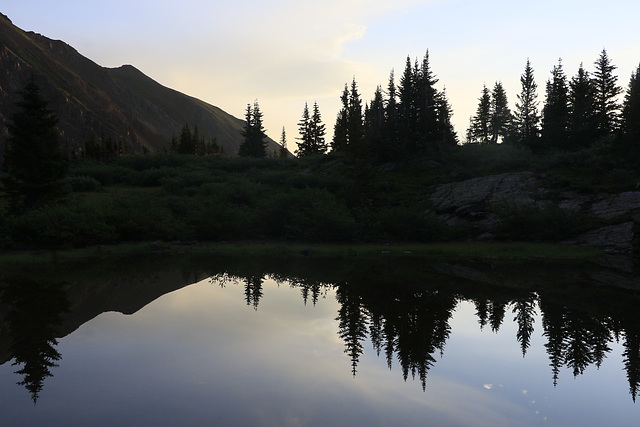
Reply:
x=369, y=184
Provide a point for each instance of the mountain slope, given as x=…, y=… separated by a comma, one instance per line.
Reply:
x=90, y=100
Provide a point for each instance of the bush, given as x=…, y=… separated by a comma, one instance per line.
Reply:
x=60, y=225
x=83, y=183
x=546, y=223
x=308, y=214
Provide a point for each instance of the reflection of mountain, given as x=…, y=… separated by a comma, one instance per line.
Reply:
x=403, y=307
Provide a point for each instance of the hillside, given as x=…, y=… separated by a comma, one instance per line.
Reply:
x=90, y=100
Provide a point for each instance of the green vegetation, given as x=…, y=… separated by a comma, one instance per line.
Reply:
x=372, y=187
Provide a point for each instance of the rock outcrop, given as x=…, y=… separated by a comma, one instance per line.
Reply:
x=479, y=204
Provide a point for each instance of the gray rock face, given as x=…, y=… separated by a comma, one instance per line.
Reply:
x=470, y=202
x=483, y=190
x=618, y=205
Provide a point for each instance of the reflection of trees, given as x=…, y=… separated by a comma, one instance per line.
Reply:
x=253, y=290
x=525, y=311
x=352, y=323
x=36, y=311
x=412, y=326
x=409, y=323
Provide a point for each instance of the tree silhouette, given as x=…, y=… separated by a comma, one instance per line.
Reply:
x=555, y=113
x=33, y=164
x=36, y=311
x=582, y=123
x=254, y=143
x=606, y=94
x=526, y=118
x=525, y=310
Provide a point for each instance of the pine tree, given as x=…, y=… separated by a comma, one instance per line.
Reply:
x=33, y=164
x=555, y=113
x=340, y=130
x=501, y=117
x=582, y=123
x=284, y=153
x=526, y=117
x=429, y=128
x=355, y=122
x=254, y=144
x=304, y=141
x=407, y=109
x=391, y=132
x=630, y=125
x=444, y=110
x=375, y=127
x=318, y=130
x=606, y=95
x=480, y=123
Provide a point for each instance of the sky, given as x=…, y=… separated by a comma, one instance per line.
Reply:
x=284, y=53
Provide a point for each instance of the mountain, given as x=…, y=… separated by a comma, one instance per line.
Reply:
x=93, y=101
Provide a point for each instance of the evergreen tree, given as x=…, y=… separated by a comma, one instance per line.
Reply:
x=391, y=132
x=340, y=130
x=407, y=109
x=375, y=127
x=582, y=124
x=355, y=123
x=318, y=130
x=429, y=127
x=555, y=113
x=481, y=122
x=33, y=164
x=501, y=117
x=526, y=118
x=284, y=153
x=304, y=141
x=630, y=125
x=312, y=132
x=449, y=136
x=254, y=144
x=606, y=95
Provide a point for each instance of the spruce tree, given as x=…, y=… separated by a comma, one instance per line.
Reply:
x=318, y=130
x=480, y=123
x=375, y=127
x=630, y=125
x=428, y=125
x=444, y=110
x=312, y=132
x=340, y=130
x=254, y=144
x=606, y=95
x=304, y=141
x=33, y=164
x=582, y=123
x=526, y=119
x=355, y=123
x=407, y=109
x=283, y=153
x=501, y=117
x=555, y=113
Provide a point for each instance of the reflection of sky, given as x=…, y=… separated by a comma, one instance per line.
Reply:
x=201, y=356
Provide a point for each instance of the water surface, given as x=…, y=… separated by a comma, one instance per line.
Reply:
x=253, y=347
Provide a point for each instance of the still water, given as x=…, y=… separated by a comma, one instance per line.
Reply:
x=245, y=348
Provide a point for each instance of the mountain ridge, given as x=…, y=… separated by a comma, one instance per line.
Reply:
x=92, y=101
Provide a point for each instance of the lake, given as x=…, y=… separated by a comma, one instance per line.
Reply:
x=251, y=341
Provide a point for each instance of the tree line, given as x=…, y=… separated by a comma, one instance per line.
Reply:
x=577, y=111
x=413, y=118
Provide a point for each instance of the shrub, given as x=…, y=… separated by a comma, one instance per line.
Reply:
x=83, y=183
x=546, y=223
x=61, y=225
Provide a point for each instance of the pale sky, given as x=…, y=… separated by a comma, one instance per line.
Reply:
x=285, y=53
